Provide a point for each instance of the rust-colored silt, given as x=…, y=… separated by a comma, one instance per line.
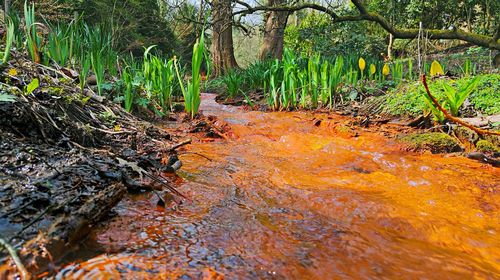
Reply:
x=289, y=198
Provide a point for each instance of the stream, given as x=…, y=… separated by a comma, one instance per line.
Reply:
x=287, y=197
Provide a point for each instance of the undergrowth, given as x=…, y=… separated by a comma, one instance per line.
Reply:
x=408, y=99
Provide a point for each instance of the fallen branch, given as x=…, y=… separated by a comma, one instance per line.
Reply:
x=22, y=270
x=452, y=118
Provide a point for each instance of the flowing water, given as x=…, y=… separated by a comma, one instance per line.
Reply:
x=289, y=197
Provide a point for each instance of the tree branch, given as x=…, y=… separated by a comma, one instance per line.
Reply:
x=492, y=42
x=291, y=9
x=477, y=39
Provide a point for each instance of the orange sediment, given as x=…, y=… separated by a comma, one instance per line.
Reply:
x=288, y=197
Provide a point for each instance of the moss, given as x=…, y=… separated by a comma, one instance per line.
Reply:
x=408, y=98
x=436, y=142
x=487, y=147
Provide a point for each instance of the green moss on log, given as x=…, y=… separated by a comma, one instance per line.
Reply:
x=436, y=142
x=486, y=146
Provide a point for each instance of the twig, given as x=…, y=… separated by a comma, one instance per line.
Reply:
x=22, y=270
x=111, y=132
x=178, y=145
x=452, y=118
x=59, y=72
x=198, y=154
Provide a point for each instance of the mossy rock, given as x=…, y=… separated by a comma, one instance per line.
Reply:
x=486, y=146
x=436, y=142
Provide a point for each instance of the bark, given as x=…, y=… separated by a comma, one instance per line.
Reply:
x=274, y=32
x=6, y=8
x=389, y=46
x=222, y=48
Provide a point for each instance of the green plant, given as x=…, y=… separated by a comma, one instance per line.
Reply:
x=98, y=69
x=456, y=97
x=351, y=77
x=486, y=97
x=232, y=80
x=7, y=98
x=31, y=87
x=326, y=90
x=468, y=67
x=18, y=32
x=255, y=75
x=436, y=113
x=302, y=76
x=273, y=93
x=335, y=77
x=313, y=77
x=158, y=79
x=85, y=64
x=9, y=40
x=128, y=90
x=192, y=98
x=289, y=83
x=410, y=69
x=397, y=71
x=33, y=41
x=60, y=43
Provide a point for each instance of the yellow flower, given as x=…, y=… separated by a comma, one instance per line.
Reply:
x=361, y=64
x=373, y=69
x=12, y=72
x=436, y=69
x=386, y=70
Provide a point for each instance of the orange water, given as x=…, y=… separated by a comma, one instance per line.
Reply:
x=284, y=198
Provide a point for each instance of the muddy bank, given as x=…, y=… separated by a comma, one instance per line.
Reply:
x=67, y=157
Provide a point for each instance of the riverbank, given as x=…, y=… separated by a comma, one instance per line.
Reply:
x=67, y=157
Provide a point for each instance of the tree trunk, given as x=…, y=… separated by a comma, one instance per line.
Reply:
x=6, y=8
x=222, y=37
x=389, y=47
x=274, y=31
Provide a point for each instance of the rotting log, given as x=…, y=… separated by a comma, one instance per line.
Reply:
x=69, y=229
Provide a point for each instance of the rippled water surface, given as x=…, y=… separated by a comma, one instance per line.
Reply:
x=285, y=198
